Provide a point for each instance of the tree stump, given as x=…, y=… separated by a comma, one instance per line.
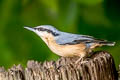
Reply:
x=119, y=73
x=100, y=66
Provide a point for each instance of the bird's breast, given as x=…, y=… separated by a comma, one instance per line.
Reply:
x=67, y=50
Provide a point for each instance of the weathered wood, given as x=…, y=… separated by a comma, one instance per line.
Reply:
x=119, y=73
x=99, y=66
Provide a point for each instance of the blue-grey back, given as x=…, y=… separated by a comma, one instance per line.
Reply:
x=68, y=38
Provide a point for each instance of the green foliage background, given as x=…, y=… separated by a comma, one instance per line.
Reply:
x=98, y=18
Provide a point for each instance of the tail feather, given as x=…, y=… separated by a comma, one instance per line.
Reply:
x=107, y=43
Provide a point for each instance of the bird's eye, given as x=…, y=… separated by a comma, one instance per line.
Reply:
x=39, y=29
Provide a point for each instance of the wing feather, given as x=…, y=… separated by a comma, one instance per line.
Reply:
x=68, y=38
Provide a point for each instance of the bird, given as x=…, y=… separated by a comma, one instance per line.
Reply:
x=68, y=44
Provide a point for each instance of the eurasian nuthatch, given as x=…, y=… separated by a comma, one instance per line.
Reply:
x=67, y=44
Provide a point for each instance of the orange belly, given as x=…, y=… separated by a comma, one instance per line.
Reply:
x=68, y=50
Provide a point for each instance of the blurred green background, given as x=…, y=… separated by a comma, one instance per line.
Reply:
x=98, y=18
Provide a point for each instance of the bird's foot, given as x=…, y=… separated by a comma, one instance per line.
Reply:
x=79, y=60
x=82, y=60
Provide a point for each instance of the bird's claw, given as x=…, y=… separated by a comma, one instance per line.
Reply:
x=82, y=60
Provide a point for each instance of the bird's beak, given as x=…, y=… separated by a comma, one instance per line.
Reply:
x=29, y=28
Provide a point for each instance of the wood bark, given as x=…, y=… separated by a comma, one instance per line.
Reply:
x=99, y=66
x=119, y=73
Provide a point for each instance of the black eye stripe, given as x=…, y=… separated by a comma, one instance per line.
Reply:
x=34, y=28
x=49, y=31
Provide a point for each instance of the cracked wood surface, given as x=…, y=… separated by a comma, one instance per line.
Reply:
x=100, y=66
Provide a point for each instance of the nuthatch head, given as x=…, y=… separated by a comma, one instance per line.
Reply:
x=44, y=30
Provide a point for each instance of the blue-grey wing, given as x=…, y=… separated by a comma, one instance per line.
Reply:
x=71, y=39
x=68, y=38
